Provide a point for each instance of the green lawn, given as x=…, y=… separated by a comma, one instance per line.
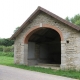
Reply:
x=68, y=73
x=4, y=60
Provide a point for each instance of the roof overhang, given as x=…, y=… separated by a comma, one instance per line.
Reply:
x=34, y=14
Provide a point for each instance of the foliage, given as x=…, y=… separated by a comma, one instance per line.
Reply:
x=1, y=48
x=68, y=73
x=6, y=48
x=9, y=54
x=16, y=29
x=75, y=20
x=6, y=51
x=68, y=19
x=6, y=42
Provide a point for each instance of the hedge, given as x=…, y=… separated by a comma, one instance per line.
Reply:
x=6, y=49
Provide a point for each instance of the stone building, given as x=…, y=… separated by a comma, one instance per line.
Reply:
x=48, y=39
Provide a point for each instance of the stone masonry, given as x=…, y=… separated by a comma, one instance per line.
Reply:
x=70, y=46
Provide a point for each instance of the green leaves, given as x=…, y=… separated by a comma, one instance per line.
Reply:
x=75, y=20
x=16, y=29
x=67, y=18
x=6, y=42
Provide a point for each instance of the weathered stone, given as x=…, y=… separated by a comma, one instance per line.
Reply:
x=69, y=47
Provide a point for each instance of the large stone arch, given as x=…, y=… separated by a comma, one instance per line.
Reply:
x=34, y=29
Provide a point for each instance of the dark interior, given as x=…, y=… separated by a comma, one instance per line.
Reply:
x=49, y=45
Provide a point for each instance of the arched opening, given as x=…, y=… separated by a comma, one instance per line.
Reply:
x=44, y=46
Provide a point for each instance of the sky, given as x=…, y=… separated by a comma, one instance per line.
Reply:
x=14, y=12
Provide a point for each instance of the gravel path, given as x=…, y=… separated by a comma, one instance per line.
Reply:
x=11, y=73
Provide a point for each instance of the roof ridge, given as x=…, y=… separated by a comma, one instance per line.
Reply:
x=36, y=12
x=59, y=18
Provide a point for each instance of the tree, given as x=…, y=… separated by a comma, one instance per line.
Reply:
x=75, y=20
x=67, y=18
x=6, y=42
x=16, y=29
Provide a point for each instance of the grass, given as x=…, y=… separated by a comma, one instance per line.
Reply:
x=4, y=60
x=67, y=73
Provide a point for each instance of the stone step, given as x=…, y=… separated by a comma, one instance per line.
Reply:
x=52, y=66
x=49, y=65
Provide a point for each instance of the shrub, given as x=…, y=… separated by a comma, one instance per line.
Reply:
x=9, y=54
x=1, y=48
x=6, y=49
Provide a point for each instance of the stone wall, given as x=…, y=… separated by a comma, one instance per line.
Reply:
x=70, y=54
